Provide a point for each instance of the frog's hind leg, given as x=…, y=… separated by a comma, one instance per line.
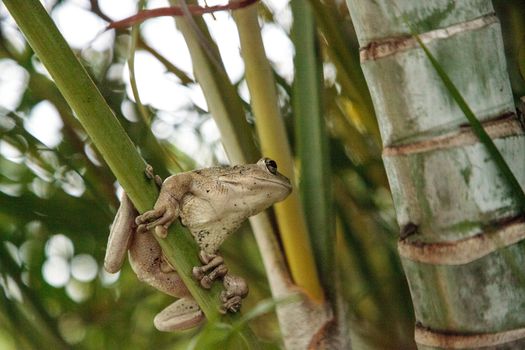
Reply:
x=150, y=266
x=147, y=260
x=235, y=289
x=182, y=314
x=120, y=236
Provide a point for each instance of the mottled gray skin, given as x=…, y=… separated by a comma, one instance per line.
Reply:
x=211, y=203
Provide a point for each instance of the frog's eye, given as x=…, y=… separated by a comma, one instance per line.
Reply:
x=271, y=166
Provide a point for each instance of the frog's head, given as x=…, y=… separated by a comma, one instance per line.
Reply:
x=257, y=186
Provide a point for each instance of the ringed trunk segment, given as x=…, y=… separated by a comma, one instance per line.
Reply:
x=462, y=231
x=506, y=340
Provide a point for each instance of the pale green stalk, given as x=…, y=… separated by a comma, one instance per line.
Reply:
x=274, y=144
x=135, y=32
x=223, y=101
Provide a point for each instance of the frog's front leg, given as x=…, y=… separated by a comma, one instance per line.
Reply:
x=167, y=206
x=213, y=262
x=235, y=288
x=120, y=236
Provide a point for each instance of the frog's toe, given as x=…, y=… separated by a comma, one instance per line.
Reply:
x=150, y=174
x=161, y=231
x=158, y=219
x=142, y=228
x=231, y=304
x=212, y=269
x=206, y=282
x=206, y=279
x=150, y=216
x=182, y=314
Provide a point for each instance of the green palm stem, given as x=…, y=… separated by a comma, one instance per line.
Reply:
x=112, y=142
x=135, y=32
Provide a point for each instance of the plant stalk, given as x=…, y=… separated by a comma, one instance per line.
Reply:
x=274, y=144
x=111, y=140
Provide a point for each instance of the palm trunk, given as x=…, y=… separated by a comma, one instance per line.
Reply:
x=461, y=228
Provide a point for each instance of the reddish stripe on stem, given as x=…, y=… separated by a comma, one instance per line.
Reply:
x=177, y=11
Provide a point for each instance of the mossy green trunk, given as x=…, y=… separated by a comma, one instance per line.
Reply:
x=461, y=230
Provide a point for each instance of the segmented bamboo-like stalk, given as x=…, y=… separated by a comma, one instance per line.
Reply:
x=461, y=228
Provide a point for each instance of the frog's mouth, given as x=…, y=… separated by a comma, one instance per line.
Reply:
x=287, y=184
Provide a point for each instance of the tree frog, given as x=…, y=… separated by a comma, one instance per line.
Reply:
x=212, y=203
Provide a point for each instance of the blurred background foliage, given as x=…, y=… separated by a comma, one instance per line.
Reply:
x=57, y=198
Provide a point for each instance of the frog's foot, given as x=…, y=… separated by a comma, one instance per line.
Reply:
x=182, y=314
x=212, y=262
x=235, y=290
x=158, y=218
x=150, y=174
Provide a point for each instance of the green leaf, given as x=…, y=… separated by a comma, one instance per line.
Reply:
x=312, y=143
